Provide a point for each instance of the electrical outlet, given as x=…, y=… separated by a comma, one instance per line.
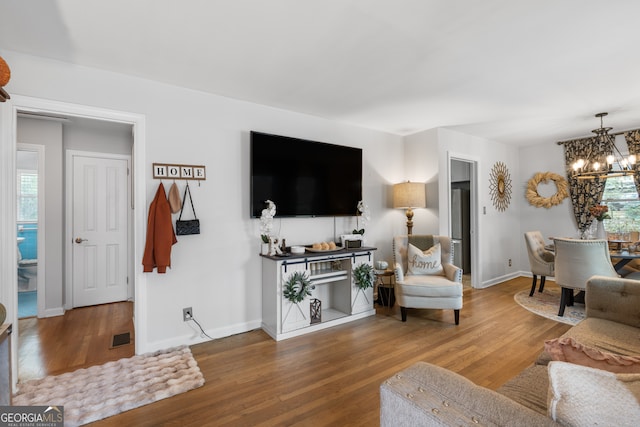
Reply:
x=509, y=262
x=187, y=314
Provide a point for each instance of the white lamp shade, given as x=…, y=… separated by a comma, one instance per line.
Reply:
x=409, y=195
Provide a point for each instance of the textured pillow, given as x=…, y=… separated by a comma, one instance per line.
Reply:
x=583, y=396
x=568, y=350
x=425, y=262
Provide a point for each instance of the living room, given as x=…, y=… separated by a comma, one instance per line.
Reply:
x=218, y=273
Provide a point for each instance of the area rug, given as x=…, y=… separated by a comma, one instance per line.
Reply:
x=547, y=304
x=102, y=391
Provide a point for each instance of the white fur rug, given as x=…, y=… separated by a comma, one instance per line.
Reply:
x=102, y=391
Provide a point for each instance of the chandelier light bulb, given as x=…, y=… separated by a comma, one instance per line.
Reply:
x=594, y=167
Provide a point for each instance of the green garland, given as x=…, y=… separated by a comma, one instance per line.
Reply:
x=297, y=287
x=364, y=276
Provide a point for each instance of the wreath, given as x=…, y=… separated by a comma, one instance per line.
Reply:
x=364, y=276
x=537, y=200
x=297, y=287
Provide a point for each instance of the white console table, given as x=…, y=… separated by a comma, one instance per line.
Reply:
x=332, y=275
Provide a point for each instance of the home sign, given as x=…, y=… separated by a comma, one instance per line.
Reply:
x=170, y=171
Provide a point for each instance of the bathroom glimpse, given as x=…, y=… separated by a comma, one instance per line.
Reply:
x=27, y=232
x=27, y=257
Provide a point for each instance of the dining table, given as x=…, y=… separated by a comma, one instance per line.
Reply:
x=622, y=258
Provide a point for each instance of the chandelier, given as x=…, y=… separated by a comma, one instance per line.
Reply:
x=614, y=164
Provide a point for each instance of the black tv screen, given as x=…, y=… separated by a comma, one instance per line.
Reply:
x=304, y=178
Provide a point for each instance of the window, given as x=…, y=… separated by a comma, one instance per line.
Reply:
x=27, y=195
x=621, y=196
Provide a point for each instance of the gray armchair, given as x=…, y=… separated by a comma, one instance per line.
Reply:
x=541, y=261
x=441, y=290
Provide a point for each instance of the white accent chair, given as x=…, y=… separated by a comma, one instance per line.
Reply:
x=576, y=262
x=427, y=291
x=541, y=260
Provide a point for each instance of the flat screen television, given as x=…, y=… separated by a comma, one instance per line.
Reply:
x=304, y=178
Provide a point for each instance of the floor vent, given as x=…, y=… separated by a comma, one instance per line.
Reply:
x=121, y=339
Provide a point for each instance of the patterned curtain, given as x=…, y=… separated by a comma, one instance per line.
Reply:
x=584, y=193
x=633, y=142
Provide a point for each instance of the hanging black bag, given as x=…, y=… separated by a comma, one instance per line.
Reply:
x=188, y=226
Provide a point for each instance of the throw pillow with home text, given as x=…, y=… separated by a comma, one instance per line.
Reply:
x=425, y=262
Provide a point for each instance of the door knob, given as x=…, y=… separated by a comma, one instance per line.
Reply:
x=80, y=240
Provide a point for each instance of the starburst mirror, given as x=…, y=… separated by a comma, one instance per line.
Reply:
x=500, y=186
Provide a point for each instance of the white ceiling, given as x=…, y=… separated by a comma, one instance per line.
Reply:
x=517, y=72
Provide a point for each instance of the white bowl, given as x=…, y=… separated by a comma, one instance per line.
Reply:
x=297, y=249
x=382, y=265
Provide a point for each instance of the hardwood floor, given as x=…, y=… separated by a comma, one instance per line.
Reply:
x=332, y=377
x=80, y=338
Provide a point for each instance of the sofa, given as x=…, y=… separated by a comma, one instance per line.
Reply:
x=552, y=391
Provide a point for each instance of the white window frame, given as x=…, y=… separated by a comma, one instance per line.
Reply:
x=20, y=197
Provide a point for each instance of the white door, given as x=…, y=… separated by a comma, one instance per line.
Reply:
x=100, y=240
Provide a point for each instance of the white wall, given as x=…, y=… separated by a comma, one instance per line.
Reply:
x=496, y=229
x=421, y=165
x=97, y=136
x=49, y=134
x=557, y=221
x=218, y=271
x=429, y=154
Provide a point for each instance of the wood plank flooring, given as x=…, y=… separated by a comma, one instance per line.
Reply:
x=332, y=377
x=80, y=338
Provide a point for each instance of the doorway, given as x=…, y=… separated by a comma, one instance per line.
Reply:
x=8, y=146
x=463, y=216
x=29, y=226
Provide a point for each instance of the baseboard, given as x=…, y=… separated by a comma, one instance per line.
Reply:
x=498, y=280
x=528, y=274
x=195, y=338
x=52, y=312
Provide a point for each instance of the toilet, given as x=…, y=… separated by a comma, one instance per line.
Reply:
x=27, y=273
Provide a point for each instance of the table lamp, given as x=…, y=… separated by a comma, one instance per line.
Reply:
x=409, y=195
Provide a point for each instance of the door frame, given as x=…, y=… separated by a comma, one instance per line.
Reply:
x=68, y=218
x=41, y=288
x=476, y=273
x=8, y=259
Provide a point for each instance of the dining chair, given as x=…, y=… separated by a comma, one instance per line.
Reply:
x=425, y=274
x=541, y=261
x=575, y=262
